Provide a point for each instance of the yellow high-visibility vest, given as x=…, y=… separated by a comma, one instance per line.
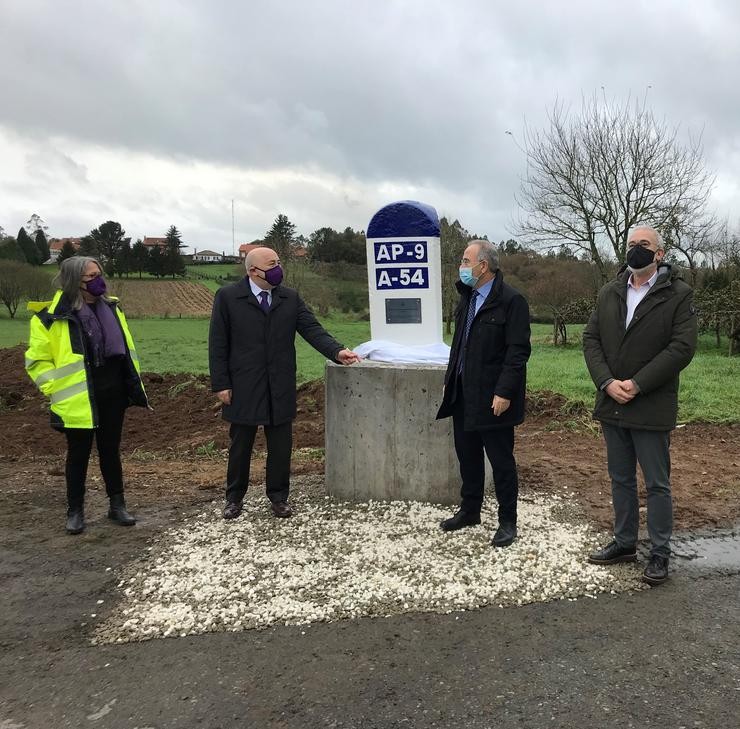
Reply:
x=56, y=362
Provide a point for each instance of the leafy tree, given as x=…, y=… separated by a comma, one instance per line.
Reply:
x=89, y=247
x=108, y=240
x=329, y=246
x=509, y=247
x=172, y=260
x=453, y=242
x=281, y=237
x=139, y=257
x=28, y=246
x=124, y=260
x=593, y=176
x=156, y=262
x=42, y=245
x=10, y=250
x=68, y=250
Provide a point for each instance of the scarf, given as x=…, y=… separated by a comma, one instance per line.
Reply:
x=102, y=332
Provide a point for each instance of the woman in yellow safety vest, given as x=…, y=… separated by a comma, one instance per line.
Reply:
x=82, y=357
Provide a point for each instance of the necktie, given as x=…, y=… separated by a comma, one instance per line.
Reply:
x=264, y=302
x=468, y=324
x=471, y=314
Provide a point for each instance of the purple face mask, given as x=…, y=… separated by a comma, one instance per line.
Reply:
x=273, y=275
x=96, y=286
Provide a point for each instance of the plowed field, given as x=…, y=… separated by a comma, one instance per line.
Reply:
x=163, y=298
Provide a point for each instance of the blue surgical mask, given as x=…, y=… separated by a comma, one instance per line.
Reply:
x=466, y=276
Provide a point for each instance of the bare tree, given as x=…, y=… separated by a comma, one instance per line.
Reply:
x=592, y=176
x=691, y=241
x=12, y=284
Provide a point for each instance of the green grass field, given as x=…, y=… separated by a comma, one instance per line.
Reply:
x=710, y=386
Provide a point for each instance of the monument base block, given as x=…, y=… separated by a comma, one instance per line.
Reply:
x=382, y=440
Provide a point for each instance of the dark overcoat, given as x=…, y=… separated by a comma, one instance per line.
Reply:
x=252, y=353
x=659, y=342
x=495, y=361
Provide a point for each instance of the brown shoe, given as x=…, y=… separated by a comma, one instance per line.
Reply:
x=282, y=509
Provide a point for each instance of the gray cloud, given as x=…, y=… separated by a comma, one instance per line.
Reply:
x=417, y=94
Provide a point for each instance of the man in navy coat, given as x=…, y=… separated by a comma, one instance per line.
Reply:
x=252, y=360
x=485, y=387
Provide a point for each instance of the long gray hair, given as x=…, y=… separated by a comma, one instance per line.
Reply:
x=70, y=275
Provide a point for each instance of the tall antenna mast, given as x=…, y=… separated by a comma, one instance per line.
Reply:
x=233, y=235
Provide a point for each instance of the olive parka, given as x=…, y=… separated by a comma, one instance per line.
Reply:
x=252, y=353
x=495, y=357
x=659, y=342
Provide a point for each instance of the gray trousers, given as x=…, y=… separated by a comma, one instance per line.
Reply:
x=625, y=448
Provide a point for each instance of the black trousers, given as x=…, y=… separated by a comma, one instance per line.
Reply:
x=111, y=405
x=470, y=447
x=279, y=447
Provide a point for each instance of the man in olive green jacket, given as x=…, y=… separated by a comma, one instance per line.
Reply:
x=641, y=334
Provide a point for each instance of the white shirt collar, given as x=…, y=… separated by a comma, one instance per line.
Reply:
x=256, y=290
x=649, y=283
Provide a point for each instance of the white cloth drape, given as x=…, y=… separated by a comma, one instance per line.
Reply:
x=379, y=350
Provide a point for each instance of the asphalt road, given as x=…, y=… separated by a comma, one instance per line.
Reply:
x=666, y=657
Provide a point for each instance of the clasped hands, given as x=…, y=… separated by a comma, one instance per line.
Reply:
x=622, y=390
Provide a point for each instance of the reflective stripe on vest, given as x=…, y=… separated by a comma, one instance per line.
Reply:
x=60, y=372
x=67, y=392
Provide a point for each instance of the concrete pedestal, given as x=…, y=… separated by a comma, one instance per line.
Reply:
x=382, y=439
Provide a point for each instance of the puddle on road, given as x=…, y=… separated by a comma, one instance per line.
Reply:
x=718, y=552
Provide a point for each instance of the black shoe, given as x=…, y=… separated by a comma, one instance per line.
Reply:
x=282, y=509
x=118, y=513
x=613, y=553
x=656, y=573
x=232, y=509
x=505, y=534
x=75, y=521
x=460, y=520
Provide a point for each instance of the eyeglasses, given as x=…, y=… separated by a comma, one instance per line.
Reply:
x=90, y=276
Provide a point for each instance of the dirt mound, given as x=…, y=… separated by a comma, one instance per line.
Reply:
x=185, y=417
x=163, y=298
x=182, y=442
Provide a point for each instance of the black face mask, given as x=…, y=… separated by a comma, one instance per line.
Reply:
x=639, y=257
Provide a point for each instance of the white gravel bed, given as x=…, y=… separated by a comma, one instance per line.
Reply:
x=334, y=561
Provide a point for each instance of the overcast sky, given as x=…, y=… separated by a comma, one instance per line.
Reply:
x=156, y=112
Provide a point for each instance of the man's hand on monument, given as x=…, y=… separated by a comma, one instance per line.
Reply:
x=347, y=357
x=224, y=396
x=500, y=405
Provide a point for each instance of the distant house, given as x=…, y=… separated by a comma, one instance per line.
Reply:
x=56, y=245
x=207, y=257
x=151, y=242
x=245, y=248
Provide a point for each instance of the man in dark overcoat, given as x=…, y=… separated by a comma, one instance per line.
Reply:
x=252, y=360
x=641, y=334
x=485, y=387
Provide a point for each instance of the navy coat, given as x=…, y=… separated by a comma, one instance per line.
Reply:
x=495, y=360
